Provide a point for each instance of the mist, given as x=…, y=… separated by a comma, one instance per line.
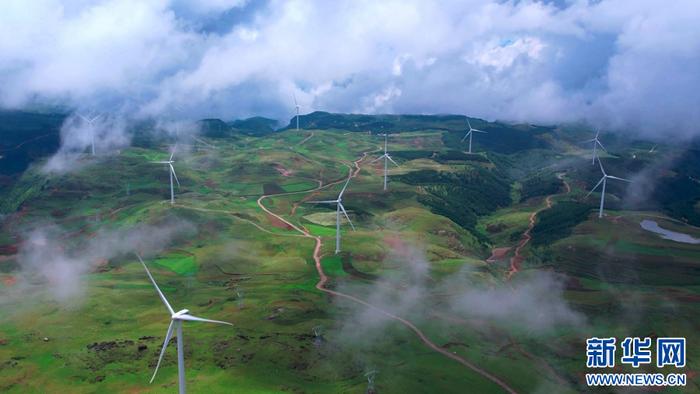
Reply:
x=51, y=262
x=108, y=134
x=532, y=303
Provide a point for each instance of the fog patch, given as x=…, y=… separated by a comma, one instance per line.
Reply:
x=108, y=135
x=403, y=293
x=50, y=261
x=533, y=302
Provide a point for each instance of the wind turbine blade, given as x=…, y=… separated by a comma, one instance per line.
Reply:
x=195, y=318
x=204, y=142
x=392, y=160
x=480, y=131
x=342, y=208
x=160, y=293
x=470, y=124
x=344, y=187
x=378, y=158
x=619, y=179
x=466, y=135
x=172, y=153
x=94, y=118
x=168, y=335
x=597, y=133
x=174, y=174
x=595, y=187
x=322, y=202
x=601, y=146
x=601, y=166
x=161, y=162
x=295, y=99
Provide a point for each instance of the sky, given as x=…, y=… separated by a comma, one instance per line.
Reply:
x=615, y=64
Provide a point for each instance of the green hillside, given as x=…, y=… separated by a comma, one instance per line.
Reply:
x=430, y=255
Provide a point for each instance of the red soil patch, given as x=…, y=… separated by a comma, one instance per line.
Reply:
x=279, y=223
x=398, y=246
x=8, y=249
x=283, y=171
x=498, y=254
x=102, y=265
x=418, y=142
x=9, y=281
x=211, y=184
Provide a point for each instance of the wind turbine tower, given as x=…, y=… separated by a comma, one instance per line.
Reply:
x=296, y=106
x=596, y=143
x=338, y=208
x=604, y=181
x=387, y=158
x=470, y=133
x=176, y=320
x=91, y=123
x=370, y=375
x=171, y=170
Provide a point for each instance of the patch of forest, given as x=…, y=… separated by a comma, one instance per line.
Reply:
x=558, y=222
x=462, y=196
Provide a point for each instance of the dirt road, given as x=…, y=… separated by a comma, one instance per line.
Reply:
x=323, y=279
x=518, y=258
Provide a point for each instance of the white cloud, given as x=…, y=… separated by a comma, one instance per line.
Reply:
x=614, y=63
x=502, y=55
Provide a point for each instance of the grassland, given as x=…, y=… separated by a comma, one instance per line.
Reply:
x=242, y=265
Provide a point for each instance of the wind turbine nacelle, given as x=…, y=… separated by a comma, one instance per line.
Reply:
x=180, y=313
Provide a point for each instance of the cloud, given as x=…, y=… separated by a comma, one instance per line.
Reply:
x=48, y=264
x=535, y=303
x=103, y=133
x=532, y=303
x=613, y=63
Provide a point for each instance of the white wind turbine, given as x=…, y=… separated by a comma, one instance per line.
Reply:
x=91, y=121
x=296, y=106
x=470, y=133
x=171, y=170
x=604, y=180
x=176, y=319
x=596, y=143
x=370, y=375
x=339, y=207
x=387, y=158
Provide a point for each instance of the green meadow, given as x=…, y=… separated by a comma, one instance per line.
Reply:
x=445, y=211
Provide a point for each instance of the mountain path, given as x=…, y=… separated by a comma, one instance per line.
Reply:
x=323, y=279
x=517, y=259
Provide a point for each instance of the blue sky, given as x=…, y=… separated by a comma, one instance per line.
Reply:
x=616, y=64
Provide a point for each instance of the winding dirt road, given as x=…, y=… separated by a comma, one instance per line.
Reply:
x=518, y=258
x=306, y=139
x=323, y=279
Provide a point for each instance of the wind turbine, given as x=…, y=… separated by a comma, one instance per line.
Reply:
x=171, y=170
x=386, y=158
x=596, y=142
x=296, y=105
x=176, y=319
x=604, y=180
x=370, y=375
x=91, y=122
x=470, y=133
x=338, y=207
